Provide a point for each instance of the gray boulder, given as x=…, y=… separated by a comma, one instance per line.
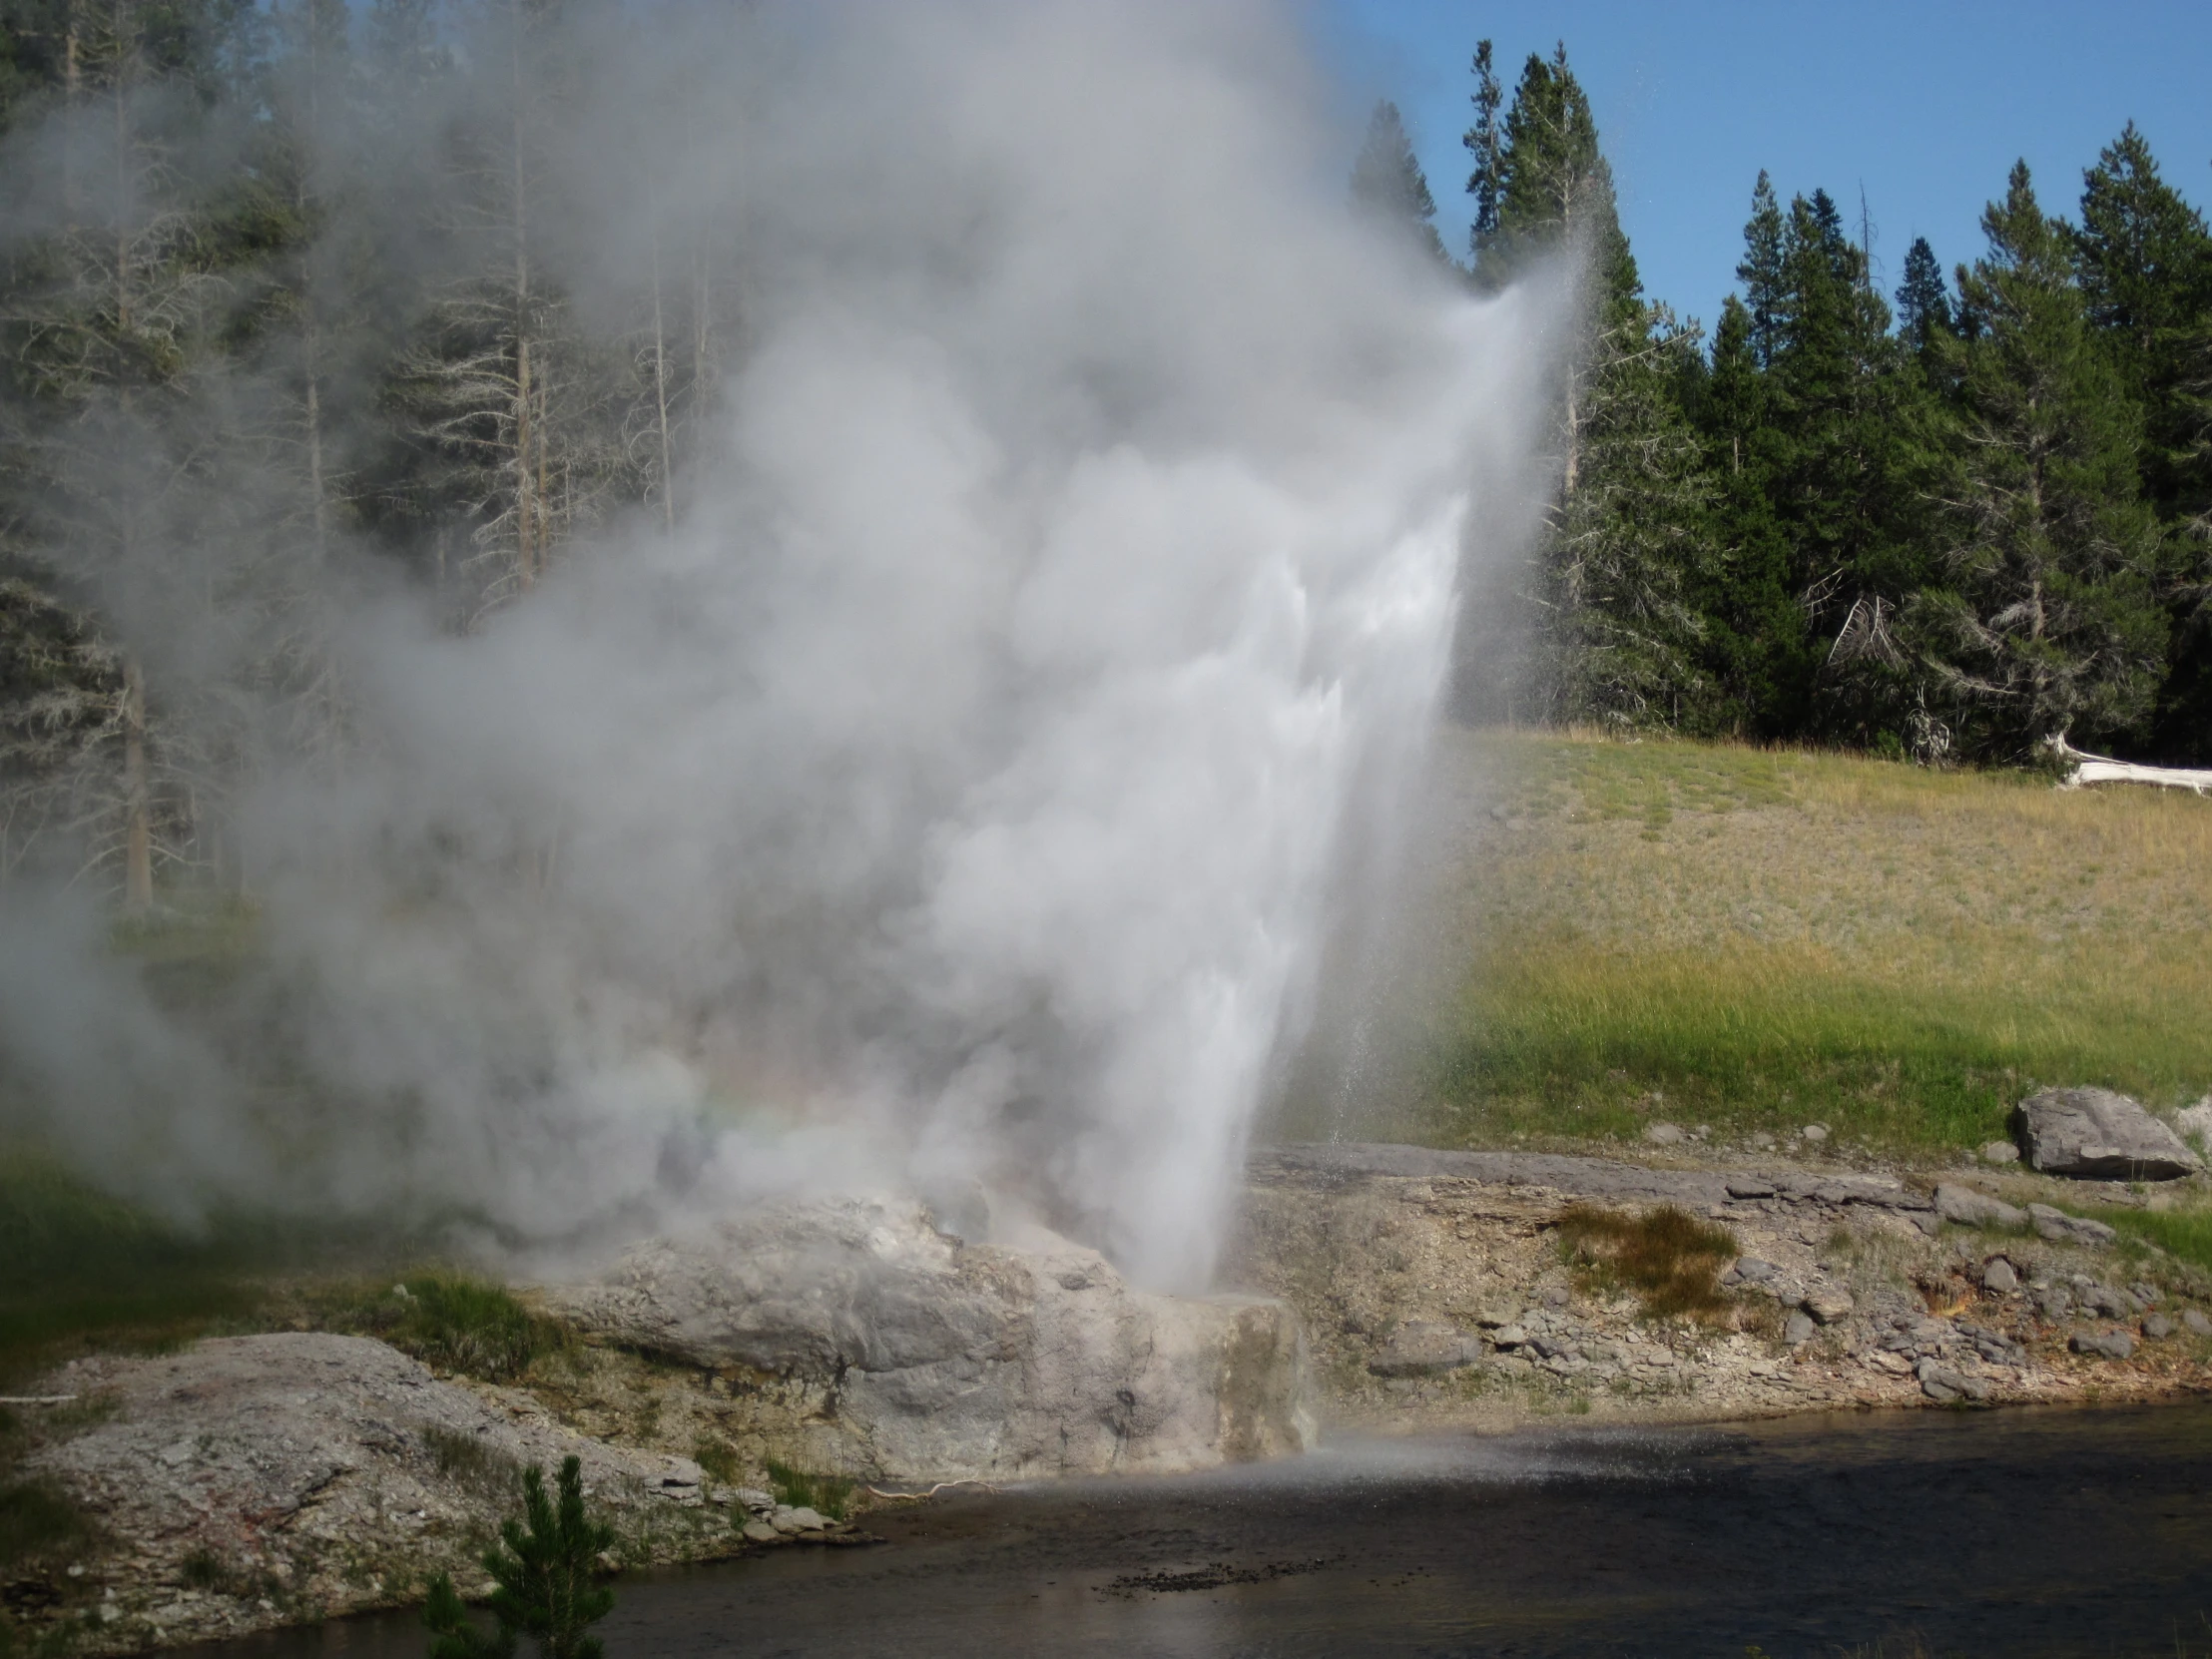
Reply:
x=1967, y=1207
x=1421, y=1348
x=939, y=1359
x=2194, y=1123
x=1798, y=1328
x=2060, y=1228
x=2157, y=1326
x=1941, y=1383
x=2097, y=1135
x=2107, y=1344
x=1999, y=1277
x=326, y=1466
x=2195, y=1323
x=1828, y=1303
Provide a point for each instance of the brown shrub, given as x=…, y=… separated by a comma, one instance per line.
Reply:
x=1666, y=1256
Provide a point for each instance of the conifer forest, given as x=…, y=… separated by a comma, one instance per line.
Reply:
x=293, y=315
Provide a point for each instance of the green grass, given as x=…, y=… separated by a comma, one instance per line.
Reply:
x=451, y=1322
x=826, y=1494
x=718, y=1458
x=81, y=1271
x=1613, y=932
x=39, y=1524
x=2185, y=1235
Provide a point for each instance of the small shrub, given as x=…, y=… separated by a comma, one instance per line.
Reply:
x=826, y=1494
x=1666, y=1256
x=204, y=1570
x=717, y=1460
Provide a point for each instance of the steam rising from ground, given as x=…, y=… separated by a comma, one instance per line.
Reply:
x=962, y=795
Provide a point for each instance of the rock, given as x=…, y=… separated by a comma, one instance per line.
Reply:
x=1941, y=1383
x=1509, y=1336
x=802, y=1519
x=2053, y=1303
x=2194, y=1123
x=2000, y=1151
x=1750, y=1185
x=2109, y=1344
x=1999, y=1277
x=1815, y=1132
x=1829, y=1305
x=2195, y=1323
x=761, y=1532
x=2097, y=1135
x=2147, y=1295
x=1798, y=1328
x=754, y=1500
x=1967, y=1207
x=1896, y=1364
x=1663, y=1134
x=1751, y=1271
x=2114, y=1305
x=1421, y=1348
x=954, y=1361
x=2157, y=1326
x=328, y=1465
x=2061, y=1227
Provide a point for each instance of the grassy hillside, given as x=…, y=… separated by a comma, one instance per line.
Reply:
x=1757, y=940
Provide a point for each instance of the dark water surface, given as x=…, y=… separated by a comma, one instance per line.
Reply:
x=2015, y=1533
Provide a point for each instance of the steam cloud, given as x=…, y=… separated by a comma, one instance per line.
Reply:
x=961, y=797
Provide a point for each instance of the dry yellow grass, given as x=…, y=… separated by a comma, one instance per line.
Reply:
x=1758, y=938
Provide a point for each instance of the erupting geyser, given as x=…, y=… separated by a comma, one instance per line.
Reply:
x=951, y=801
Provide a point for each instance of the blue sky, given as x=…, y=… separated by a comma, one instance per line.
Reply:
x=1926, y=106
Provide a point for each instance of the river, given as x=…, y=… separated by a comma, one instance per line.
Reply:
x=2040, y=1531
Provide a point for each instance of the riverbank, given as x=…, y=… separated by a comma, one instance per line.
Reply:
x=250, y=1482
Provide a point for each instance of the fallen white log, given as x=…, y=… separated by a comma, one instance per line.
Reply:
x=2101, y=769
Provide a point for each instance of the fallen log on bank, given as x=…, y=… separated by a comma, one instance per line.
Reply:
x=2103, y=769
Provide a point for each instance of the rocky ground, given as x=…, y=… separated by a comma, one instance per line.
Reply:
x=1434, y=1291
x=265, y=1479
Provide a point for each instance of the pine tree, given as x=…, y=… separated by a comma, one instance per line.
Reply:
x=2048, y=622
x=1756, y=638
x=1630, y=546
x=1388, y=188
x=2145, y=263
x=1840, y=403
x=1483, y=141
x=1629, y=535
x=1923, y=298
x=1761, y=271
x=545, y=1576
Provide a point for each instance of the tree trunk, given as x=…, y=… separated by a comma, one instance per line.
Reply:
x=660, y=381
x=138, y=834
